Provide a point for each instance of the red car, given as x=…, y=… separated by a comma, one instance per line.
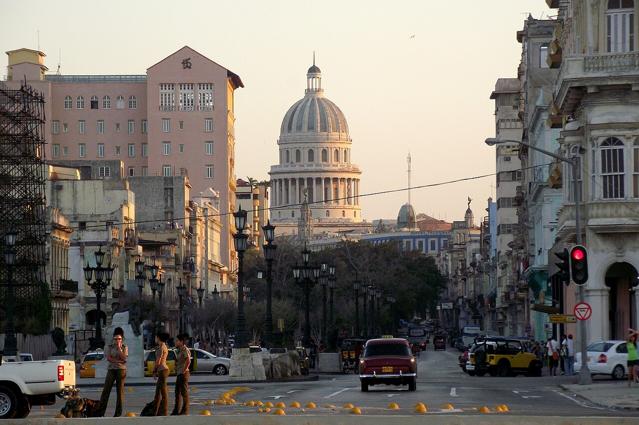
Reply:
x=387, y=361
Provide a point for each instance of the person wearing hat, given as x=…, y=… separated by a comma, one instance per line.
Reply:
x=116, y=355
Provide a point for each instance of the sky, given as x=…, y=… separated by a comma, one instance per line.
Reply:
x=410, y=76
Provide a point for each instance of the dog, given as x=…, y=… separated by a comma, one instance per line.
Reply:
x=80, y=407
x=149, y=409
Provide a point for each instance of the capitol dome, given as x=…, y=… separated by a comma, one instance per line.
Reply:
x=406, y=218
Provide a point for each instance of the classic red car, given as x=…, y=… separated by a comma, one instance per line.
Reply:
x=387, y=361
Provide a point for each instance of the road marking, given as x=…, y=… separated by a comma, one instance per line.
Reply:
x=578, y=402
x=276, y=397
x=292, y=391
x=530, y=396
x=339, y=392
x=390, y=395
x=453, y=392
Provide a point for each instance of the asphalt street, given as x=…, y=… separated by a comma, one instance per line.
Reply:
x=440, y=382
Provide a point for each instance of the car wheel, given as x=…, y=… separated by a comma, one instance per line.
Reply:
x=503, y=369
x=8, y=403
x=471, y=373
x=364, y=387
x=220, y=370
x=480, y=373
x=618, y=372
x=24, y=408
x=412, y=385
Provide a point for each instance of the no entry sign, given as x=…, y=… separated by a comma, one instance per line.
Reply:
x=582, y=311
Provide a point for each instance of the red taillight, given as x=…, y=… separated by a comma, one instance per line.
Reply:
x=60, y=373
x=602, y=359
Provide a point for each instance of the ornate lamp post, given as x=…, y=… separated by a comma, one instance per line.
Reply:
x=140, y=279
x=215, y=293
x=306, y=275
x=200, y=294
x=323, y=281
x=391, y=300
x=10, y=342
x=181, y=290
x=378, y=298
x=365, y=308
x=98, y=278
x=269, y=256
x=240, y=239
x=371, y=302
x=161, y=285
x=356, y=286
x=331, y=287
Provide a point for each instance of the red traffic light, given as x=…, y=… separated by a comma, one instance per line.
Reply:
x=578, y=254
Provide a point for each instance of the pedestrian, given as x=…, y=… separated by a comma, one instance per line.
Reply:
x=161, y=373
x=552, y=350
x=563, y=354
x=197, y=344
x=116, y=355
x=570, y=359
x=183, y=373
x=633, y=356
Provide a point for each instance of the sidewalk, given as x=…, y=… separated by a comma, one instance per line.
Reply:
x=613, y=395
x=198, y=379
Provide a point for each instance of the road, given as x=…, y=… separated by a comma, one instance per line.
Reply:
x=440, y=382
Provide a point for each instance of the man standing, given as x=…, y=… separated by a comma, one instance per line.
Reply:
x=570, y=360
x=552, y=349
x=182, y=379
x=116, y=354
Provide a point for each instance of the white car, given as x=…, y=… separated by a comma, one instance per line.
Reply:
x=606, y=358
x=210, y=362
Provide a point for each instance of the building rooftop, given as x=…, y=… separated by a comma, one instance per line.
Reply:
x=96, y=78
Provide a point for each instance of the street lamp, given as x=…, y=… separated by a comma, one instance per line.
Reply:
x=331, y=287
x=200, y=294
x=139, y=279
x=240, y=240
x=371, y=300
x=323, y=280
x=10, y=342
x=215, y=293
x=584, y=373
x=306, y=275
x=365, y=291
x=269, y=256
x=98, y=278
x=356, y=287
x=161, y=285
x=391, y=300
x=181, y=290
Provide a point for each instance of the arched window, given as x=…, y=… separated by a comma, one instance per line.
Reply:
x=119, y=102
x=354, y=213
x=298, y=155
x=311, y=155
x=336, y=155
x=79, y=102
x=94, y=102
x=133, y=102
x=328, y=213
x=343, y=213
x=346, y=155
x=106, y=102
x=288, y=157
x=68, y=102
x=324, y=155
x=612, y=168
x=293, y=214
x=620, y=20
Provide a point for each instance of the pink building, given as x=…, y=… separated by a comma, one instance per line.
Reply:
x=177, y=119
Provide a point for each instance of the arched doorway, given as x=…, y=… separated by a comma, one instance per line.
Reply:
x=92, y=316
x=622, y=280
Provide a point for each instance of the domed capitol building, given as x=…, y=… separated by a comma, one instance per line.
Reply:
x=315, y=164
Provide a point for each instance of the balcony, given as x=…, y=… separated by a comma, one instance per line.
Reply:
x=64, y=288
x=604, y=217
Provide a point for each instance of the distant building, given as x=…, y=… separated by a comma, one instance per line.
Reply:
x=254, y=197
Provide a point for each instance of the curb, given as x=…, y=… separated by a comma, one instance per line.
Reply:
x=308, y=378
x=596, y=403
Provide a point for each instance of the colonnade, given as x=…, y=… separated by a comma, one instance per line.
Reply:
x=329, y=190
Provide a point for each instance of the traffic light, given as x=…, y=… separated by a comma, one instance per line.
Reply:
x=579, y=264
x=564, y=266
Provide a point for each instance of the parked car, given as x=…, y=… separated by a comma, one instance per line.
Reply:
x=439, y=342
x=606, y=358
x=27, y=384
x=502, y=357
x=87, y=365
x=208, y=362
x=149, y=362
x=24, y=357
x=387, y=361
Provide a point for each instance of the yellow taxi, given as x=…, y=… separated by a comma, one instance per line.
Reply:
x=502, y=357
x=87, y=366
x=149, y=362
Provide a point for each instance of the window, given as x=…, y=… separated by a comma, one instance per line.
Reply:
x=131, y=150
x=68, y=102
x=208, y=125
x=181, y=124
x=328, y=213
x=543, y=55
x=620, y=20
x=311, y=155
x=433, y=245
x=205, y=96
x=117, y=127
x=324, y=155
x=55, y=126
x=166, y=148
x=106, y=102
x=209, y=171
x=82, y=127
x=131, y=126
x=166, y=125
x=288, y=157
x=420, y=245
x=94, y=102
x=298, y=155
x=117, y=150
x=79, y=102
x=145, y=150
x=144, y=127
x=65, y=127
x=167, y=97
x=100, y=150
x=119, y=102
x=345, y=155
x=133, y=102
x=343, y=213
x=612, y=168
x=336, y=155
x=145, y=171
x=635, y=170
x=104, y=171
x=56, y=150
x=131, y=172
x=505, y=229
x=181, y=147
x=167, y=171
x=65, y=150
x=208, y=148
x=187, y=96
x=505, y=202
x=82, y=150
x=100, y=127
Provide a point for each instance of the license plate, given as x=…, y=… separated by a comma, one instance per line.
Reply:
x=470, y=367
x=387, y=369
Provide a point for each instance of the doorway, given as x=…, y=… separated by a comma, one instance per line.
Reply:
x=621, y=278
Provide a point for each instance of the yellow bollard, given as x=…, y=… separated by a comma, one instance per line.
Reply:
x=280, y=405
x=484, y=409
x=504, y=408
x=311, y=405
x=421, y=408
x=296, y=405
x=279, y=412
x=448, y=406
x=348, y=406
x=258, y=403
x=393, y=406
x=268, y=404
x=205, y=412
x=60, y=416
x=356, y=411
x=130, y=415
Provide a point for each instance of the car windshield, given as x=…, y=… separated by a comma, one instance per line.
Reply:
x=599, y=347
x=374, y=350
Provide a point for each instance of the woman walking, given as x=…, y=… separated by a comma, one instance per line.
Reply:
x=161, y=373
x=116, y=354
x=633, y=356
x=182, y=380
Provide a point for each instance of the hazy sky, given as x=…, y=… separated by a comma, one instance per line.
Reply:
x=427, y=94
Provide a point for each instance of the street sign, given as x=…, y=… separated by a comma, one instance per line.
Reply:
x=280, y=325
x=562, y=318
x=583, y=311
x=447, y=306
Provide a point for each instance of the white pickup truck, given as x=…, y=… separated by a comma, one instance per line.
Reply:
x=33, y=383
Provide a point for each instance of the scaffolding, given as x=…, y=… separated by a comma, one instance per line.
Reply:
x=22, y=198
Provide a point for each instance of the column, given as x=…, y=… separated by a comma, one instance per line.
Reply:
x=349, y=192
x=323, y=189
x=287, y=196
x=356, y=191
x=334, y=197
